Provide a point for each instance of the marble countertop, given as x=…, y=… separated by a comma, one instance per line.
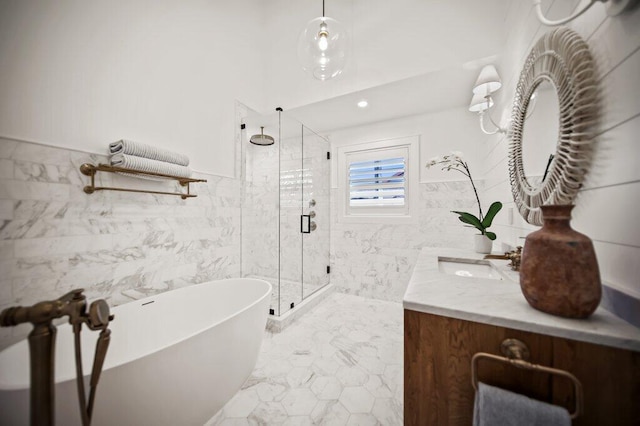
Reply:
x=501, y=303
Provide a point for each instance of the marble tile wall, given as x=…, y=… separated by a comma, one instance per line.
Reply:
x=292, y=177
x=260, y=227
x=376, y=260
x=116, y=245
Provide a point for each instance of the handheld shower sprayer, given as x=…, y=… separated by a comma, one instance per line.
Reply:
x=42, y=349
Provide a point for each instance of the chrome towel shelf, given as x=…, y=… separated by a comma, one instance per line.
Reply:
x=516, y=353
x=89, y=169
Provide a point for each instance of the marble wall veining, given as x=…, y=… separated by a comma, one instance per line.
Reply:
x=116, y=245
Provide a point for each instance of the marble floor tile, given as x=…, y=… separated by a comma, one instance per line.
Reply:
x=357, y=399
x=339, y=364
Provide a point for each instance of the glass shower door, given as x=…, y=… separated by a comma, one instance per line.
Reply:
x=291, y=184
x=315, y=170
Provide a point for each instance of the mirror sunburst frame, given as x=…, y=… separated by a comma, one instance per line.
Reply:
x=562, y=57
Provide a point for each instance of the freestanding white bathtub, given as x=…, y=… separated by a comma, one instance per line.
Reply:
x=174, y=359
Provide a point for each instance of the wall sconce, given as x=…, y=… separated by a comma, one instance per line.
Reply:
x=614, y=7
x=488, y=82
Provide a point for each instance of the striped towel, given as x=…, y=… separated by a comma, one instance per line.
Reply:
x=148, y=165
x=124, y=146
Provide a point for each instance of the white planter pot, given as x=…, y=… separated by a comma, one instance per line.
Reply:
x=482, y=244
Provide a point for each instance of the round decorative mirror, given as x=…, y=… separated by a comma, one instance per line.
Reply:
x=540, y=133
x=552, y=125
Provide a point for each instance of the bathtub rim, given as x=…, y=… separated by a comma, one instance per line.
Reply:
x=59, y=378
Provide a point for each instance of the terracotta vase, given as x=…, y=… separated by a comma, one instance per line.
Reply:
x=559, y=270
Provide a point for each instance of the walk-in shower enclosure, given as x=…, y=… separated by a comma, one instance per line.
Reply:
x=285, y=210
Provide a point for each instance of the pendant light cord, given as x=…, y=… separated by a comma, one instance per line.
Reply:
x=323, y=8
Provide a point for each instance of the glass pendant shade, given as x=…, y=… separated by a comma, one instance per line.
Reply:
x=322, y=48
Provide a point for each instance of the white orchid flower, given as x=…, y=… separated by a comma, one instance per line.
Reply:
x=433, y=161
x=457, y=155
x=455, y=161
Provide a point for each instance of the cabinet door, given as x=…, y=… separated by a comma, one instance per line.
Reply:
x=610, y=380
x=437, y=356
x=437, y=380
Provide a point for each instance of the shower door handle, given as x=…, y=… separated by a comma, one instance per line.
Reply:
x=305, y=224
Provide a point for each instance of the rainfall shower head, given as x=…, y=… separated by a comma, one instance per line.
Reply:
x=262, y=139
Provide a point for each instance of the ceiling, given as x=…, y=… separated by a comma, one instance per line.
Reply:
x=430, y=92
x=408, y=57
x=426, y=93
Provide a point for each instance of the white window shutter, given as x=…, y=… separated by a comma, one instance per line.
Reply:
x=378, y=182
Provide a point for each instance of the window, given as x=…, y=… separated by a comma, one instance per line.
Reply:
x=377, y=183
x=376, y=180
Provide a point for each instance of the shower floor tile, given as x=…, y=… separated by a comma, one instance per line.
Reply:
x=340, y=364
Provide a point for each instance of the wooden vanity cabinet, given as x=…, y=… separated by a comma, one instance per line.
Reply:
x=437, y=372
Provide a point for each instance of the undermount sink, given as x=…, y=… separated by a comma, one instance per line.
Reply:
x=469, y=268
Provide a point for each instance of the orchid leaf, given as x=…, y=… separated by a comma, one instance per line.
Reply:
x=488, y=218
x=470, y=219
x=490, y=235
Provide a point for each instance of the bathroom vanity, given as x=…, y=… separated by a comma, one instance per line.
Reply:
x=458, y=305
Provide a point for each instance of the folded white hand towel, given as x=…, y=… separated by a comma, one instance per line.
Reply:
x=148, y=165
x=138, y=149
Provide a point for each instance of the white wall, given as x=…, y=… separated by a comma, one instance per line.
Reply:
x=81, y=74
x=605, y=207
x=377, y=259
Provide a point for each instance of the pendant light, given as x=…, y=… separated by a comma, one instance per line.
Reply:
x=322, y=47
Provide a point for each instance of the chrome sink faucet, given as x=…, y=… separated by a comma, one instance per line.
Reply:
x=42, y=348
x=514, y=256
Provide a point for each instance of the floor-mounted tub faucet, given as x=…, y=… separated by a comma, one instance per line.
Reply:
x=42, y=349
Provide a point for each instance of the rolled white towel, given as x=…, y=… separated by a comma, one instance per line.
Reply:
x=138, y=149
x=148, y=165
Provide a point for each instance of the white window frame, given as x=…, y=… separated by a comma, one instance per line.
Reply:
x=408, y=147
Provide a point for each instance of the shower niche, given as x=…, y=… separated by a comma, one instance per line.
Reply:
x=285, y=207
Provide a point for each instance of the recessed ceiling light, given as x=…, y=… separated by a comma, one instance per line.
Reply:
x=363, y=104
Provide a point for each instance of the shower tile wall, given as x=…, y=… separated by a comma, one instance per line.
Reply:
x=260, y=212
x=116, y=245
x=291, y=175
x=376, y=260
